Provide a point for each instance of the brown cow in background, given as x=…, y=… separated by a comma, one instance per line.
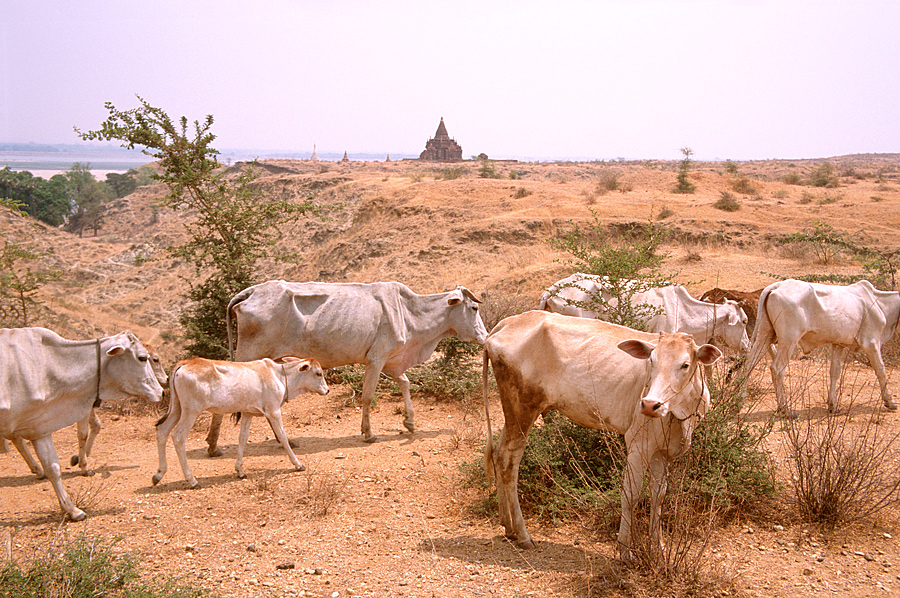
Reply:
x=749, y=301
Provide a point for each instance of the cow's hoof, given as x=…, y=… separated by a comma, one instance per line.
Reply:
x=77, y=515
x=293, y=444
x=157, y=477
x=73, y=461
x=301, y=467
x=890, y=405
x=240, y=475
x=214, y=451
x=526, y=545
x=196, y=486
x=372, y=439
x=87, y=472
x=410, y=426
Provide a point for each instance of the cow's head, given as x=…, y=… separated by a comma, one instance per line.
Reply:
x=465, y=319
x=306, y=375
x=127, y=369
x=733, y=328
x=675, y=385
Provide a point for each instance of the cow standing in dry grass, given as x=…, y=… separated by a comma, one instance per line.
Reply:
x=250, y=388
x=795, y=313
x=647, y=387
x=747, y=300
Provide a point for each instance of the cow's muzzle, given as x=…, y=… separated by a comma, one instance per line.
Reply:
x=653, y=408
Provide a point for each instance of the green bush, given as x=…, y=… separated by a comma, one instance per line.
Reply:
x=743, y=185
x=727, y=202
x=87, y=569
x=824, y=176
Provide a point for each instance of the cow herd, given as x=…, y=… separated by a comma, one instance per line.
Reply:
x=647, y=386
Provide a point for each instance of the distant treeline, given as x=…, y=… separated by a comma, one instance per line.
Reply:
x=73, y=199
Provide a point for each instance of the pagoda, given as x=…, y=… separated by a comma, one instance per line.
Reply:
x=441, y=148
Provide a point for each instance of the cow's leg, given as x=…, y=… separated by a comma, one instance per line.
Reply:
x=163, y=429
x=243, y=436
x=179, y=437
x=370, y=383
x=658, y=485
x=410, y=414
x=212, y=438
x=33, y=464
x=4, y=445
x=510, y=447
x=873, y=352
x=635, y=467
x=778, y=367
x=837, y=360
x=46, y=452
x=87, y=430
x=278, y=428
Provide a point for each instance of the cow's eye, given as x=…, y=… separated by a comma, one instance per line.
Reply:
x=142, y=358
x=685, y=366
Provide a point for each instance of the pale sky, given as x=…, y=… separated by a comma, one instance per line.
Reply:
x=529, y=80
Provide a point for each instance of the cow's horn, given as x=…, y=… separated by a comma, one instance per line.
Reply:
x=469, y=294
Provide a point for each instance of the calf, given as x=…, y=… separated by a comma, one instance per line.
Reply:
x=249, y=388
x=586, y=369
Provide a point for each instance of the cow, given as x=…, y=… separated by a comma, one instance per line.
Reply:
x=747, y=300
x=647, y=387
x=252, y=388
x=678, y=310
x=383, y=325
x=794, y=312
x=87, y=428
x=51, y=382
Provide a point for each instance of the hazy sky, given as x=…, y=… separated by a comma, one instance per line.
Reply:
x=551, y=79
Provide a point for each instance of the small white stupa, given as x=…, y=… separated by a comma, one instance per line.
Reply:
x=315, y=156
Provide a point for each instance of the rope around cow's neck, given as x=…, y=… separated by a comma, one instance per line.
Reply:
x=98, y=371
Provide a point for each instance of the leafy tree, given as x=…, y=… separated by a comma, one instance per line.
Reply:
x=19, y=284
x=630, y=266
x=86, y=196
x=235, y=225
x=684, y=185
x=122, y=184
x=51, y=200
x=16, y=190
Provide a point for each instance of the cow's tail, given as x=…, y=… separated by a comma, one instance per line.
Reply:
x=234, y=301
x=489, y=444
x=173, y=398
x=763, y=334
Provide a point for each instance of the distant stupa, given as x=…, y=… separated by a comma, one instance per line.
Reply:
x=345, y=158
x=388, y=159
x=441, y=148
x=315, y=156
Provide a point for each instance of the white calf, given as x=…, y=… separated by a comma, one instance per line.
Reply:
x=250, y=388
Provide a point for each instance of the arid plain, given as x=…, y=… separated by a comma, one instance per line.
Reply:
x=397, y=521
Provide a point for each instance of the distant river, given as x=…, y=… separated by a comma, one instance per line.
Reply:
x=46, y=164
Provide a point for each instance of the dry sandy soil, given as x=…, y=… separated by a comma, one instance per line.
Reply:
x=393, y=519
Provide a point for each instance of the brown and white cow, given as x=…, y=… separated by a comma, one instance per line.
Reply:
x=794, y=312
x=250, y=388
x=50, y=382
x=647, y=387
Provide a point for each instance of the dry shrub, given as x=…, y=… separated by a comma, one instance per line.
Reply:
x=841, y=465
x=743, y=185
x=498, y=303
x=322, y=494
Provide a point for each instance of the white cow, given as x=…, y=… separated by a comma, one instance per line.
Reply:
x=249, y=389
x=51, y=383
x=87, y=428
x=383, y=325
x=793, y=312
x=680, y=312
x=586, y=369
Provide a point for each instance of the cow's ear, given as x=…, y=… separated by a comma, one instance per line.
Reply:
x=304, y=367
x=636, y=348
x=708, y=354
x=454, y=301
x=117, y=350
